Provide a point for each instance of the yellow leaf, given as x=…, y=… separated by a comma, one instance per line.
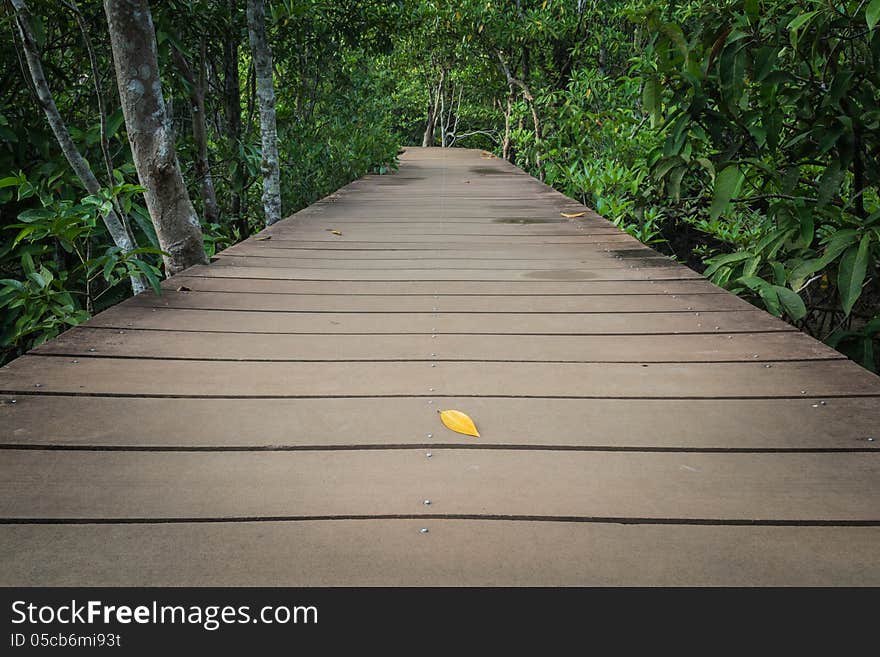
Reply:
x=459, y=422
x=572, y=215
x=335, y=232
x=263, y=238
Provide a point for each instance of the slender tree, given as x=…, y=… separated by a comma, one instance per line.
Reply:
x=133, y=41
x=232, y=111
x=262, y=55
x=78, y=163
x=433, y=109
x=196, y=91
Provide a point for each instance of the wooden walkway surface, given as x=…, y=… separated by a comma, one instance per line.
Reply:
x=271, y=419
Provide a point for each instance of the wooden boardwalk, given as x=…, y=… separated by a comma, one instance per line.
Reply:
x=271, y=419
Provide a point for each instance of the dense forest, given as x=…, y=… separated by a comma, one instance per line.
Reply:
x=741, y=137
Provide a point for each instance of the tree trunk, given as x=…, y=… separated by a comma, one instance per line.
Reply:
x=232, y=109
x=530, y=99
x=262, y=55
x=505, y=146
x=115, y=227
x=443, y=119
x=133, y=40
x=200, y=131
x=428, y=137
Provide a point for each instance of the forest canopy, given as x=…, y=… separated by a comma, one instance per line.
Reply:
x=741, y=137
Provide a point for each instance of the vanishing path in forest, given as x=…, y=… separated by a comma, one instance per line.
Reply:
x=271, y=419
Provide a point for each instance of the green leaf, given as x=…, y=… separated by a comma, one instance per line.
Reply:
x=791, y=302
x=651, y=99
x=801, y=20
x=778, y=270
x=727, y=185
x=38, y=279
x=829, y=183
x=838, y=242
x=27, y=263
x=673, y=185
x=797, y=23
x=727, y=259
x=851, y=275
x=771, y=299
x=872, y=14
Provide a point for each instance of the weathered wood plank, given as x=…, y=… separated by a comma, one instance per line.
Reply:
x=134, y=316
x=195, y=299
x=164, y=485
x=220, y=268
x=762, y=424
x=134, y=343
x=335, y=379
x=202, y=279
x=455, y=552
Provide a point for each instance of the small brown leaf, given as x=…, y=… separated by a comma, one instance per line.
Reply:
x=572, y=215
x=335, y=232
x=459, y=422
x=263, y=238
x=184, y=288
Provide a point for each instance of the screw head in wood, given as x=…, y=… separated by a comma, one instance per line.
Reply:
x=427, y=502
x=428, y=455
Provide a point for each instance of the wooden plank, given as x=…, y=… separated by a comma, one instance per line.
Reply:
x=397, y=256
x=761, y=424
x=440, y=265
x=473, y=242
x=352, y=248
x=334, y=379
x=219, y=269
x=195, y=299
x=201, y=278
x=453, y=553
x=133, y=316
x=836, y=487
x=134, y=343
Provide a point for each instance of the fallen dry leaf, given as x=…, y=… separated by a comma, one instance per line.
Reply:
x=184, y=288
x=459, y=422
x=262, y=239
x=572, y=215
x=335, y=232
